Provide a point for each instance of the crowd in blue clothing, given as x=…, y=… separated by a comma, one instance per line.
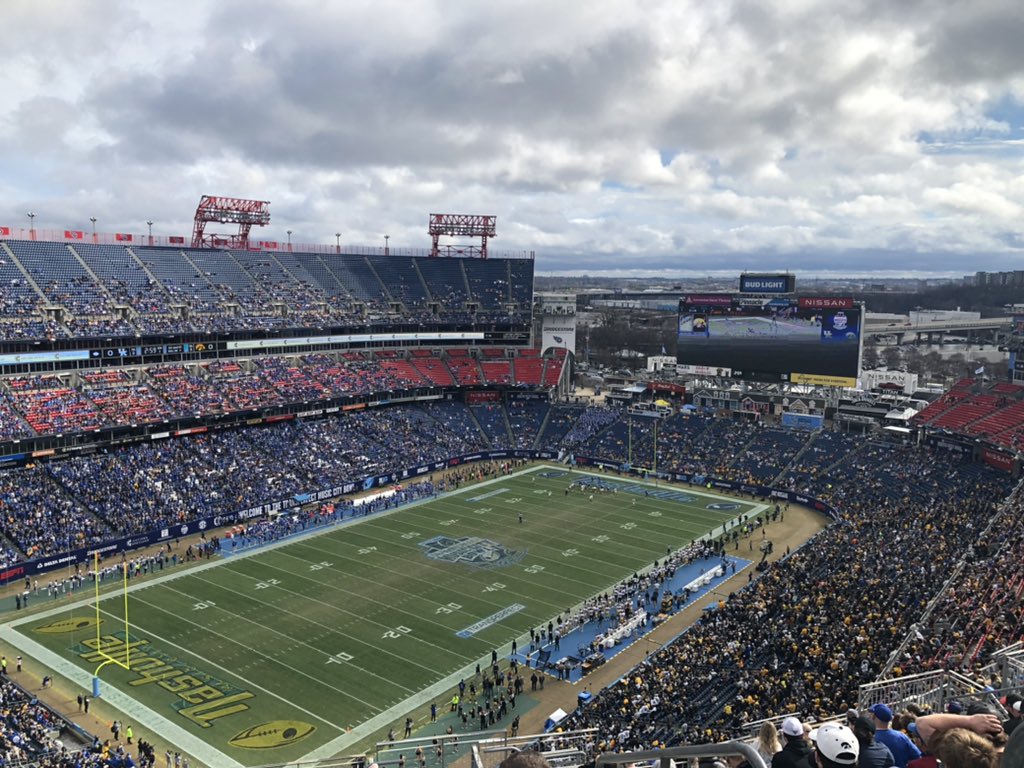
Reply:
x=837, y=609
x=52, y=507
x=271, y=529
x=58, y=506
x=245, y=291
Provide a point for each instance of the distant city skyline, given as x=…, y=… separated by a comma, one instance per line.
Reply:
x=668, y=137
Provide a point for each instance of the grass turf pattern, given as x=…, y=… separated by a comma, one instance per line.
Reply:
x=268, y=656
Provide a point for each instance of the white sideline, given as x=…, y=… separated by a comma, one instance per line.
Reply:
x=210, y=755
x=378, y=722
x=139, y=713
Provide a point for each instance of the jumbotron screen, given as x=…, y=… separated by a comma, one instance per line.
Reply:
x=805, y=340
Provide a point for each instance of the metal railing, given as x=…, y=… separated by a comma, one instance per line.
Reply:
x=561, y=750
x=449, y=747
x=681, y=756
x=929, y=689
x=1009, y=662
x=339, y=761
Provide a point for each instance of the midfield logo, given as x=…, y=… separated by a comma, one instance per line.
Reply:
x=471, y=550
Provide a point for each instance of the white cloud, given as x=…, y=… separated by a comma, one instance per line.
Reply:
x=798, y=131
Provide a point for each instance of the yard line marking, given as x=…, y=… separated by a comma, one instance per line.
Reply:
x=430, y=584
x=235, y=674
x=375, y=648
x=612, y=514
x=453, y=498
x=338, y=608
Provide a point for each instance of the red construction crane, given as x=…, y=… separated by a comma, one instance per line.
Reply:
x=462, y=225
x=228, y=210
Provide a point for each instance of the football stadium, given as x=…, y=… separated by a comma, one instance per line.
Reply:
x=274, y=504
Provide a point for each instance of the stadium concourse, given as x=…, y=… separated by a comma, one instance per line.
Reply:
x=818, y=622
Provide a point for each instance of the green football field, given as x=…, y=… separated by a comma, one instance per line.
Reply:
x=307, y=647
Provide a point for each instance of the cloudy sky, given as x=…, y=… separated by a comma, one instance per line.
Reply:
x=646, y=136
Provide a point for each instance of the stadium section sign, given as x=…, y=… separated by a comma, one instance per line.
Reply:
x=810, y=340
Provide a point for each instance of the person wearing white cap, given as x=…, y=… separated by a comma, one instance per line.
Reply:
x=1015, y=707
x=795, y=752
x=835, y=746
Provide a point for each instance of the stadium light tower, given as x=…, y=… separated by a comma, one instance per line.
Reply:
x=93, y=220
x=462, y=225
x=337, y=241
x=149, y=223
x=289, y=239
x=31, y=225
x=386, y=250
x=228, y=210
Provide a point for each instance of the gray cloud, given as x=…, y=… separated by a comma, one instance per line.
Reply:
x=656, y=137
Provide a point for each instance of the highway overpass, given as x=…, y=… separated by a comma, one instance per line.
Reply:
x=990, y=330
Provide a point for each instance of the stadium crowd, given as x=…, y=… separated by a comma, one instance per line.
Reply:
x=73, y=402
x=839, y=608
x=133, y=290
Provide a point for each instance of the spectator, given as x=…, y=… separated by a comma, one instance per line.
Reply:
x=1013, y=753
x=901, y=747
x=1014, y=704
x=834, y=746
x=873, y=754
x=931, y=727
x=768, y=741
x=795, y=752
x=927, y=759
x=963, y=748
x=525, y=759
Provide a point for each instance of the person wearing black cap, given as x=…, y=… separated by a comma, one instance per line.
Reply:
x=873, y=754
x=835, y=746
x=795, y=752
x=902, y=748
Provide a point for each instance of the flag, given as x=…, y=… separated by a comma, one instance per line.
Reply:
x=663, y=349
x=73, y=234
x=122, y=237
x=979, y=370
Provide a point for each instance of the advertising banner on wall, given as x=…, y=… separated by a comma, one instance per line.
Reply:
x=558, y=332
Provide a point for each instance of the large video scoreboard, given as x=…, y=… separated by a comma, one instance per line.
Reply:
x=798, y=340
